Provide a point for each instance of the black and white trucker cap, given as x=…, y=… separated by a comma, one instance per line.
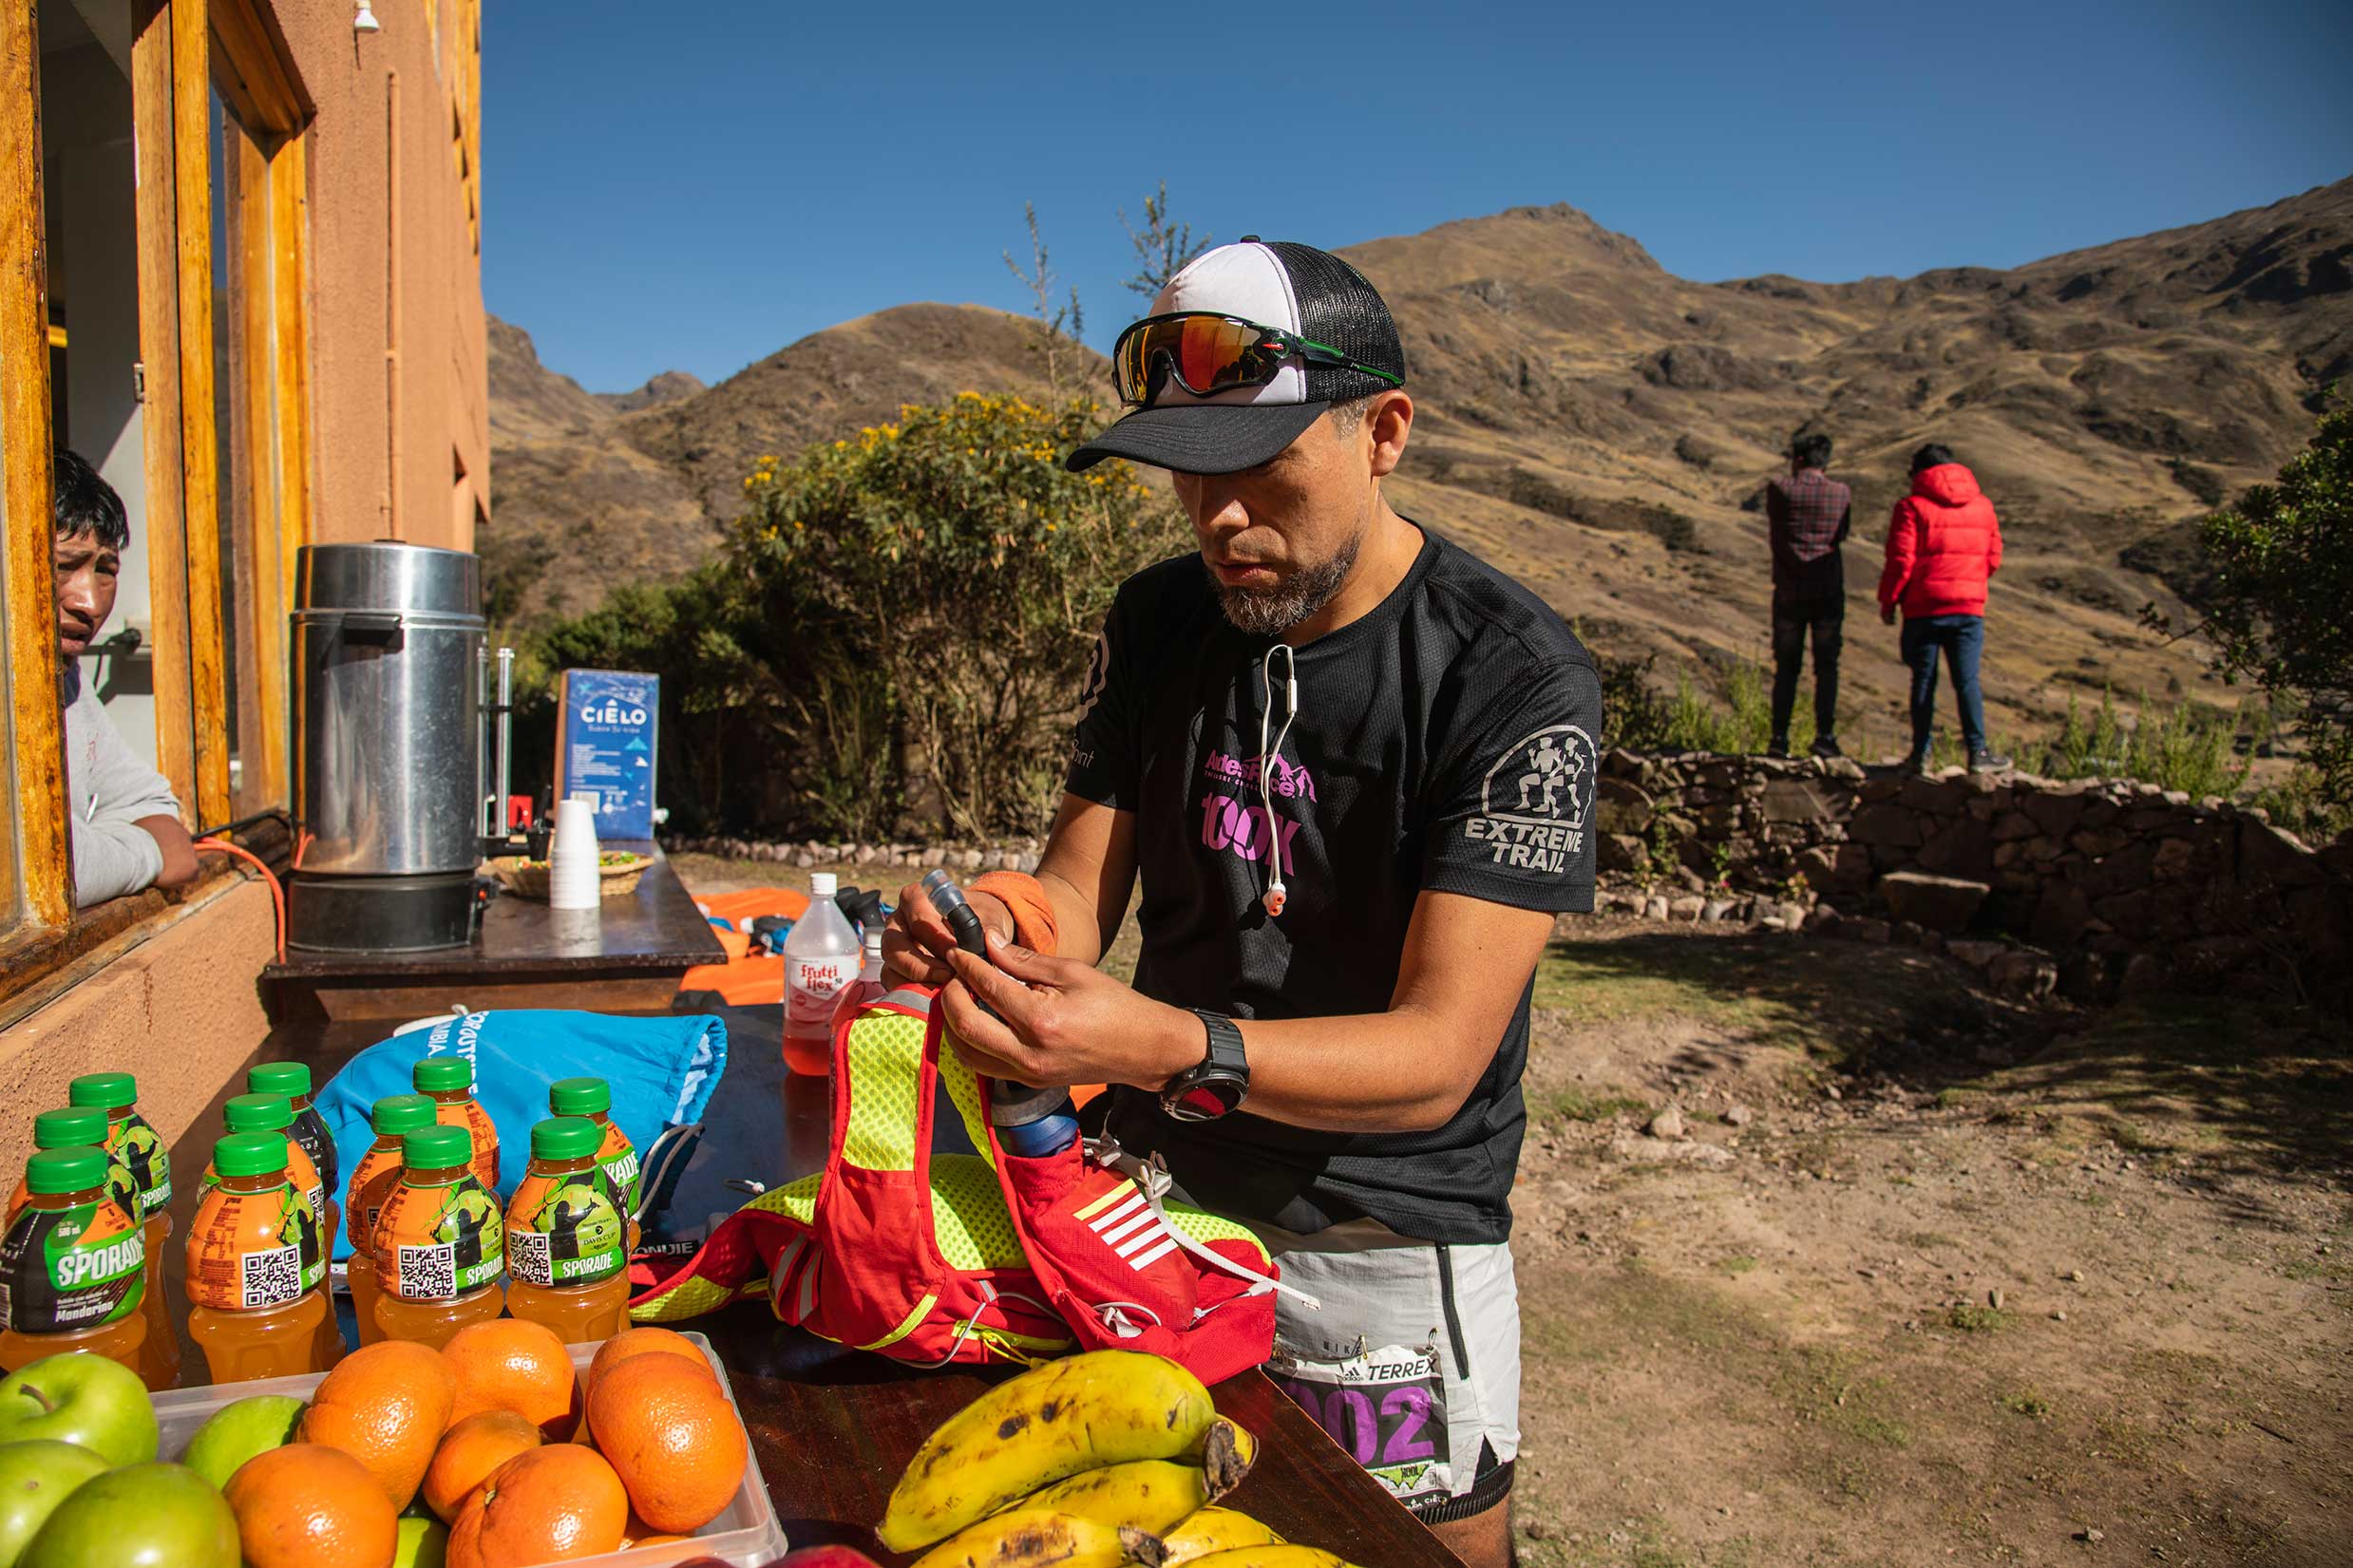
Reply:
x=1292, y=288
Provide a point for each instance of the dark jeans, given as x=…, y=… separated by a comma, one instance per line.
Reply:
x=1959, y=638
x=1792, y=615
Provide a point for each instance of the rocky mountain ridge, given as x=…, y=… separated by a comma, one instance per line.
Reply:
x=1602, y=429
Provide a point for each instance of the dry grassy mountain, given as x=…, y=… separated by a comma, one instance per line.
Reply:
x=1602, y=429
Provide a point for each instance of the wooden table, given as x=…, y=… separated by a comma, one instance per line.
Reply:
x=832, y=1427
x=626, y=956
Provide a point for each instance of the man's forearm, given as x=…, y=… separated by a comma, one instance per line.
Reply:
x=1365, y=1072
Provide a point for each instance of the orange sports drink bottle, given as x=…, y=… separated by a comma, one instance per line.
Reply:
x=254, y=1305
x=566, y=1264
x=78, y=1128
x=292, y=1080
x=130, y=1140
x=393, y=1118
x=440, y=1243
x=449, y=1082
x=592, y=1098
x=73, y=1267
x=274, y=1114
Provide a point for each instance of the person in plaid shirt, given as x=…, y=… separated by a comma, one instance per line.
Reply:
x=1808, y=513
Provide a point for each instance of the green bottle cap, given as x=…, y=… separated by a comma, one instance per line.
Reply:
x=65, y=1170
x=250, y=1153
x=107, y=1090
x=287, y=1078
x=258, y=1113
x=440, y=1074
x=436, y=1148
x=566, y=1138
x=579, y=1096
x=398, y=1113
x=69, y=1127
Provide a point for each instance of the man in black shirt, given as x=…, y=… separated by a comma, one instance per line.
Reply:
x=1354, y=768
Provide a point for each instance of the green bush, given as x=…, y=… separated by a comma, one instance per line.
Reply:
x=2185, y=746
x=2281, y=565
x=896, y=629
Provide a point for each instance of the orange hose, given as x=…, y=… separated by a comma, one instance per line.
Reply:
x=277, y=892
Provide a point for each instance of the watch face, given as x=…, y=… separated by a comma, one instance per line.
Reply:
x=1204, y=1101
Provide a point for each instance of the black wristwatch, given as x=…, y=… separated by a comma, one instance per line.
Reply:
x=1221, y=1082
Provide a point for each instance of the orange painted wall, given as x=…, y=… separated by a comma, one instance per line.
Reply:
x=406, y=78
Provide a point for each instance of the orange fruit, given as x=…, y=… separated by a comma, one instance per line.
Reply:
x=306, y=1505
x=469, y=1452
x=386, y=1405
x=672, y=1438
x=552, y=1503
x=510, y=1364
x=636, y=1342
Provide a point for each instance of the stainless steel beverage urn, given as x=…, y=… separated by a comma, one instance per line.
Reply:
x=387, y=650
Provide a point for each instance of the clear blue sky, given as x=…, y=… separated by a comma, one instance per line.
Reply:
x=695, y=183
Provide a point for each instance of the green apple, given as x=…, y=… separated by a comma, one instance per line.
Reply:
x=236, y=1433
x=91, y=1400
x=424, y=1543
x=35, y=1476
x=140, y=1515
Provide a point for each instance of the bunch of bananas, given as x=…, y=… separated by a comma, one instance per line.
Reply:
x=1091, y=1461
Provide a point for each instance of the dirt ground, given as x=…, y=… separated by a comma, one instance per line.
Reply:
x=1972, y=1282
x=1931, y=1277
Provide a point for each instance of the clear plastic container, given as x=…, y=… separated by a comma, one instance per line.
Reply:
x=746, y=1533
x=820, y=958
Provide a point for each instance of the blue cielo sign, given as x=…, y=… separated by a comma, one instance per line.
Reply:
x=604, y=746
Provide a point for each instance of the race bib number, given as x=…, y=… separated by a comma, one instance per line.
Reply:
x=1386, y=1408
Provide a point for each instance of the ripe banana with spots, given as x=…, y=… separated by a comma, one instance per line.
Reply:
x=1039, y=1538
x=1078, y=1413
x=1278, y=1555
x=1151, y=1494
x=1214, y=1529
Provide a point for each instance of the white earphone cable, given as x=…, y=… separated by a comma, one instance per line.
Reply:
x=1277, y=895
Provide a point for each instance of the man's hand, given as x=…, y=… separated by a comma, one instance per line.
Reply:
x=916, y=942
x=1060, y=1022
x=1887, y=615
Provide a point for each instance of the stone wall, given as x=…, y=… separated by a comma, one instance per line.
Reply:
x=2092, y=886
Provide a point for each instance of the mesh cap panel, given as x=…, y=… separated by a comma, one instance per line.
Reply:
x=1339, y=308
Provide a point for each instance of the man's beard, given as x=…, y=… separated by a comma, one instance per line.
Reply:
x=1271, y=611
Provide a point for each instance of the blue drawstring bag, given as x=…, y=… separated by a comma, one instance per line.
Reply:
x=661, y=1070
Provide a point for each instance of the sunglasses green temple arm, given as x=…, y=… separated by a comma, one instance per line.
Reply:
x=1323, y=353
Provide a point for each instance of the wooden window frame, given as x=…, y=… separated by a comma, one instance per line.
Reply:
x=181, y=53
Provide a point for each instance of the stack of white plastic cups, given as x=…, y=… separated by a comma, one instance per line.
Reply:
x=572, y=859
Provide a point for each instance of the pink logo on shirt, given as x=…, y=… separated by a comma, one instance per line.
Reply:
x=1242, y=828
x=1289, y=779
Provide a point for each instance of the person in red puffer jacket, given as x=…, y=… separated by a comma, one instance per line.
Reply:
x=1944, y=542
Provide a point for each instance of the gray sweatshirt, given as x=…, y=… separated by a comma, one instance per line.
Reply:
x=108, y=788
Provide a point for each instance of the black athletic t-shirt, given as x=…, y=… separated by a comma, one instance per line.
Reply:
x=1446, y=741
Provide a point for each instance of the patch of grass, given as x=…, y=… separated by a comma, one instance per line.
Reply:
x=1740, y=1263
x=1972, y=1319
x=1956, y=1095
x=1583, y=1105
x=1929, y=1240
x=2026, y=1402
x=1833, y=1388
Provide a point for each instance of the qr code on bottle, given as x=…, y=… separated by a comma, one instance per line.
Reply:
x=429, y=1273
x=528, y=1257
x=270, y=1278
